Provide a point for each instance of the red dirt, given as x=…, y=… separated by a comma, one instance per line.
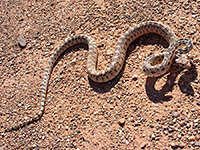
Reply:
x=130, y=112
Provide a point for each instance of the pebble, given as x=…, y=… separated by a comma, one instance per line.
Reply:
x=67, y=128
x=170, y=129
x=153, y=136
x=198, y=103
x=22, y=41
x=197, y=144
x=121, y=122
x=100, y=45
x=196, y=120
x=73, y=62
x=175, y=114
x=194, y=16
x=191, y=138
x=181, y=145
x=183, y=60
x=143, y=145
x=139, y=56
x=134, y=77
x=131, y=119
x=109, y=52
x=174, y=145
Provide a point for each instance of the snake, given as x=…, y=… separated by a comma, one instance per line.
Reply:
x=154, y=65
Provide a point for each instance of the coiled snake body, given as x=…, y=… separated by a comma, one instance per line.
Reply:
x=154, y=65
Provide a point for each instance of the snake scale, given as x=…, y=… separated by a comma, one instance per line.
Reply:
x=153, y=66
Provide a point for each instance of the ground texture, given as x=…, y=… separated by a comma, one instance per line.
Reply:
x=130, y=112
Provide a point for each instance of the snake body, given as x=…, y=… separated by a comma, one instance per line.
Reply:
x=154, y=65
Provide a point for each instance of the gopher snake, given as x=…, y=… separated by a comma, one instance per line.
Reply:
x=154, y=65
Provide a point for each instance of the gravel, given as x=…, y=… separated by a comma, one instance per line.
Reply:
x=130, y=112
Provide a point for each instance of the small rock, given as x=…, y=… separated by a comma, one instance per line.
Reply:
x=22, y=41
x=196, y=120
x=100, y=45
x=194, y=16
x=73, y=62
x=121, y=122
x=139, y=57
x=181, y=145
x=153, y=136
x=183, y=123
x=198, y=103
x=109, y=52
x=143, y=145
x=183, y=61
x=48, y=44
x=135, y=77
x=192, y=138
x=197, y=144
x=67, y=128
x=131, y=119
x=175, y=114
x=112, y=107
x=174, y=145
x=170, y=129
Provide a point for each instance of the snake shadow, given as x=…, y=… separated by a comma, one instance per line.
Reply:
x=184, y=84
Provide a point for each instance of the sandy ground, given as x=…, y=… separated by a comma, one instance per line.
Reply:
x=130, y=112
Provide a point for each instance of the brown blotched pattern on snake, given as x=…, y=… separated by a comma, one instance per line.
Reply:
x=154, y=65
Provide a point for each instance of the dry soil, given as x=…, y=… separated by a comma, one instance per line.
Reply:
x=130, y=112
